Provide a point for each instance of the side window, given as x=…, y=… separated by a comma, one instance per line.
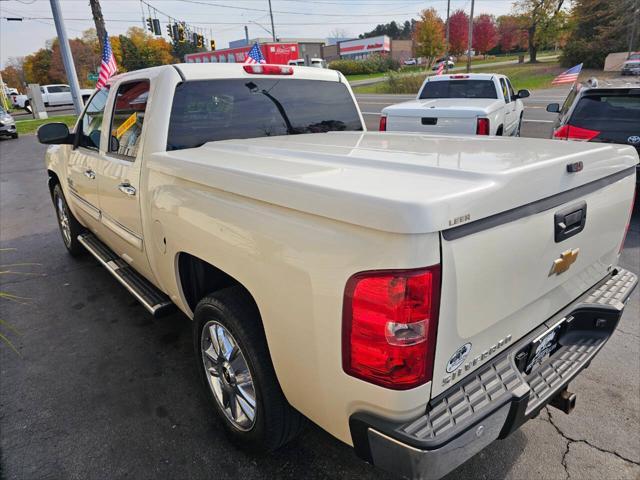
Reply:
x=510, y=89
x=91, y=123
x=128, y=118
x=505, y=90
x=54, y=89
x=568, y=101
x=64, y=89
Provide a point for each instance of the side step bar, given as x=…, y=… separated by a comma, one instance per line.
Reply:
x=155, y=301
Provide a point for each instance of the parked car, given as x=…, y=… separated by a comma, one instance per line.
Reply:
x=416, y=296
x=439, y=61
x=7, y=124
x=603, y=114
x=410, y=61
x=632, y=65
x=19, y=100
x=476, y=103
x=60, y=94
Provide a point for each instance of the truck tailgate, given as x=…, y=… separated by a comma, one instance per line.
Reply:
x=504, y=275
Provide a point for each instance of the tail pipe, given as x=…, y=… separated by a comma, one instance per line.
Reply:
x=564, y=400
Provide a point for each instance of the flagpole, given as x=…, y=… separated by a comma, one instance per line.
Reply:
x=67, y=58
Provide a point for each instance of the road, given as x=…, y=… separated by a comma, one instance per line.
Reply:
x=537, y=122
x=102, y=390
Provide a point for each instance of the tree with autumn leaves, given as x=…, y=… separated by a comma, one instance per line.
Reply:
x=485, y=34
x=429, y=35
x=458, y=32
x=137, y=49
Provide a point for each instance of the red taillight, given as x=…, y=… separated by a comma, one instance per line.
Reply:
x=389, y=326
x=458, y=76
x=261, y=69
x=482, y=127
x=570, y=132
x=383, y=123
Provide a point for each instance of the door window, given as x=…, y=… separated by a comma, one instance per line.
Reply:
x=128, y=118
x=64, y=89
x=505, y=90
x=91, y=123
x=510, y=89
x=54, y=89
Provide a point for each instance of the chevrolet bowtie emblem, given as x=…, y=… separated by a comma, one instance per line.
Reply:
x=563, y=263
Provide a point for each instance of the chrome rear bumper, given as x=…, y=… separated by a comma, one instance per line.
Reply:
x=499, y=397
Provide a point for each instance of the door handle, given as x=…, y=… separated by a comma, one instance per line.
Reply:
x=90, y=174
x=127, y=189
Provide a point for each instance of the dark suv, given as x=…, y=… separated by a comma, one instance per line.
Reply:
x=608, y=114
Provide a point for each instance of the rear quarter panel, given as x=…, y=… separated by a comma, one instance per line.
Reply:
x=296, y=266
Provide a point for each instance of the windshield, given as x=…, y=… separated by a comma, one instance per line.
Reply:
x=212, y=110
x=635, y=56
x=459, y=89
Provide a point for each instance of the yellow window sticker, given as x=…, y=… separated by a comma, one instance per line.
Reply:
x=128, y=123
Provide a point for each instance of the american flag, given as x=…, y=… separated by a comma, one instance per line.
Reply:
x=570, y=76
x=255, y=55
x=108, y=67
x=440, y=68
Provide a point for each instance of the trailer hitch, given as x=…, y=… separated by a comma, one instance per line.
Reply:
x=564, y=400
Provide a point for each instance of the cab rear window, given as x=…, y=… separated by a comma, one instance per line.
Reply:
x=607, y=112
x=213, y=110
x=459, y=89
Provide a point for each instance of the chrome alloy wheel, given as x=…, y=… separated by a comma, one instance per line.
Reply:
x=63, y=220
x=228, y=375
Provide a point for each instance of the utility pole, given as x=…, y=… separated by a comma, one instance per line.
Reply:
x=98, y=19
x=446, y=50
x=67, y=58
x=273, y=29
x=634, y=26
x=470, y=38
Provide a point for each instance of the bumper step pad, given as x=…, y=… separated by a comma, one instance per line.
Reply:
x=155, y=301
x=497, y=398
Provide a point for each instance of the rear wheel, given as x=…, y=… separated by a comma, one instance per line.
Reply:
x=236, y=370
x=70, y=228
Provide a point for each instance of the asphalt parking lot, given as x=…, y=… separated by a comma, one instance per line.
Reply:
x=99, y=389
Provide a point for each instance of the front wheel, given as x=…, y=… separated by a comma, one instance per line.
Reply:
x=70, y=228
x=235, y=367
x=519, y=129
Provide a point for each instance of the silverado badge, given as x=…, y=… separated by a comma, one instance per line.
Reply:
x=565, y=261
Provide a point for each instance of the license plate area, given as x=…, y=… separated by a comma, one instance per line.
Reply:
x=530, y=358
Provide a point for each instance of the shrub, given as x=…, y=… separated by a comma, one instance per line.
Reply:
x=582, y=51
x=374, y=64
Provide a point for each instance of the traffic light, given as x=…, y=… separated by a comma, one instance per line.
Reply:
x=194, y=39
x=181, y=36
x=212, y=44
x=175, y=29
x=150, y=24
x=200, y=42
x=170, y=31
x=157, y=30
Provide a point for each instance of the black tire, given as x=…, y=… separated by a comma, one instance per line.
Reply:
x=499, y=131
x=70, y=241
x=14, y=135
x=519, y=129
x=276, y=422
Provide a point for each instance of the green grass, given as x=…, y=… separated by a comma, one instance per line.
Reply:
x=27, y=127
x=365, y=76
x=523, y=76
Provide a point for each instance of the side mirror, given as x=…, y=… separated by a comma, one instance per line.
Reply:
x=56, y=133
x=524, y=93
x=553, y=108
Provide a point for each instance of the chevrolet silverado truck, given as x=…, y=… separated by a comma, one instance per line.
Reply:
x=473, y=104
x=416, y=296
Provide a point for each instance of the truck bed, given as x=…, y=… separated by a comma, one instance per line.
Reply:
x=395, y=182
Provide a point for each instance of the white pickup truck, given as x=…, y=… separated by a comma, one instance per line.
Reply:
x=52, y=96
x=477, y=103
x=416, y=296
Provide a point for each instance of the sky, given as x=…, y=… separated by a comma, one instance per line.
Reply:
x=223, y=20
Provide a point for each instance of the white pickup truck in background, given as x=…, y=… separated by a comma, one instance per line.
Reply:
x=417, y=296
x=477, y=103
x=52, y=96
